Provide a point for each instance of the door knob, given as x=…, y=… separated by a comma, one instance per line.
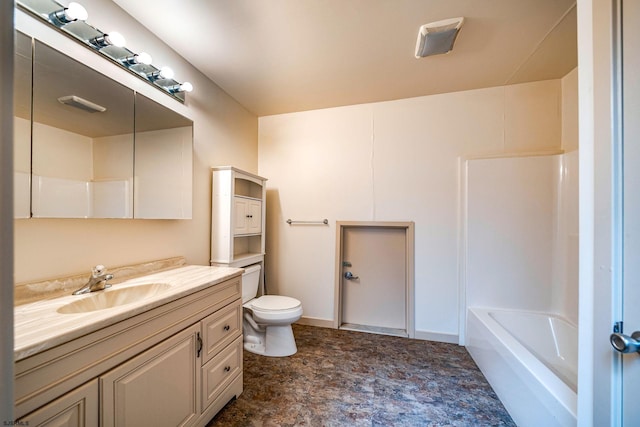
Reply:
x=349, y=276
x=626, y=344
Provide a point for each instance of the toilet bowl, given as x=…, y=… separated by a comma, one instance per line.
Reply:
x=267, y=319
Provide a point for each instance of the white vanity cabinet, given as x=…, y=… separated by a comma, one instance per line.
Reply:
x=177, y=364
x=238, y=203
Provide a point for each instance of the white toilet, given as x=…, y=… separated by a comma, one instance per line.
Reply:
x=267, y=319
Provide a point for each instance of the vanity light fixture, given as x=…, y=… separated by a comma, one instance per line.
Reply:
x=70, y=20
x=73, y=12
x=113, y=38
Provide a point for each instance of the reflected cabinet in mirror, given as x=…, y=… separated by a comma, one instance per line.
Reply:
x=94, y=148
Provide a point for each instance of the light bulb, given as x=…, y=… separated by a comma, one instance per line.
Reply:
x=166, y=73
x=163, y=73
x=137, y=58
x=76, y=11
x=69, y=14
x=116, y=39
x=180, y=87
x=143, y=58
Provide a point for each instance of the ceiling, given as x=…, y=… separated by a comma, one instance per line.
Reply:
x=281, y=56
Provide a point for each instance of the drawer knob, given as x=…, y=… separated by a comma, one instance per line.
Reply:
x=227, y=368
x=227, y=327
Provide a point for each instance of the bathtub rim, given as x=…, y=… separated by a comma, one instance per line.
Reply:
x=548, y=316
x=560, y=391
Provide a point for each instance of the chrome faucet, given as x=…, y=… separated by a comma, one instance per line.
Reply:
x=97, y=281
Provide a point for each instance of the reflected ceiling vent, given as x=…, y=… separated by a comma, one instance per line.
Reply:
x=81, y=103
x=437, y=37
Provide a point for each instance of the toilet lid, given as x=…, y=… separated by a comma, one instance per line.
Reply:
x=274, y=303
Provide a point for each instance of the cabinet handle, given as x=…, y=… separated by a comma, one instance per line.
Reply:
x=198, y=344
x=249, y=216
x=226, y=327
x=227, y=368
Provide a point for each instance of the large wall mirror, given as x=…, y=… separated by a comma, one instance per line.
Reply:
x=97, y=149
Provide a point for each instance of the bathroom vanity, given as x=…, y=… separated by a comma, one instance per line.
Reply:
x=166, y=350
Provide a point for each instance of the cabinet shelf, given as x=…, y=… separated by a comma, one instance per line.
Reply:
x=243, y=260
x=257, y=199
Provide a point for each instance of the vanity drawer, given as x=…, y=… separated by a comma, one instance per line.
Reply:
x=220, y=328
x=220, y=371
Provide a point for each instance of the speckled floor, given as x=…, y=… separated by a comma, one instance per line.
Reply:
x=343, y=378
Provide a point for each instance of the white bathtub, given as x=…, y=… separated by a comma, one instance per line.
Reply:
x=530, y=360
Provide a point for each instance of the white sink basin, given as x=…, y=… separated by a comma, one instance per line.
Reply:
x=113, y=297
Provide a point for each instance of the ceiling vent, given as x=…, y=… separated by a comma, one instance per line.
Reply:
x=437, y=37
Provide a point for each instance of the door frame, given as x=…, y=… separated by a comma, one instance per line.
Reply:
x=409, y=232
x=596, y=376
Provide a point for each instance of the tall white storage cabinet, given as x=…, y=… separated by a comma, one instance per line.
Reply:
x=237, y=217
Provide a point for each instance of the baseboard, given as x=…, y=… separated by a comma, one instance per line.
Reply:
x=314, y=321
x=437, y=336
x=420, y=335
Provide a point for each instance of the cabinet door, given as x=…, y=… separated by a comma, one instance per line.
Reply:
x=160, y=387
x=163, y=159
x=241, y=215
x=78, y=408
x=254, y=217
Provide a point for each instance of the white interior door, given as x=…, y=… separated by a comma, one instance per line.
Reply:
x=631, y=211
x=374, y=279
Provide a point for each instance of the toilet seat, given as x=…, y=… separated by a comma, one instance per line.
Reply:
x=274, y=303
x=275, y=309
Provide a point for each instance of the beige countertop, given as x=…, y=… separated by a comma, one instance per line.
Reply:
x=38, y=326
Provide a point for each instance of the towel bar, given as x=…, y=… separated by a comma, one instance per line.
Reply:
x=324, y=221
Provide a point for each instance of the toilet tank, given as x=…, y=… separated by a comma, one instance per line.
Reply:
x=250, y=281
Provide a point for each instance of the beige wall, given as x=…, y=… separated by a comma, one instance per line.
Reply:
x=224, y=133
x=390, y=161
